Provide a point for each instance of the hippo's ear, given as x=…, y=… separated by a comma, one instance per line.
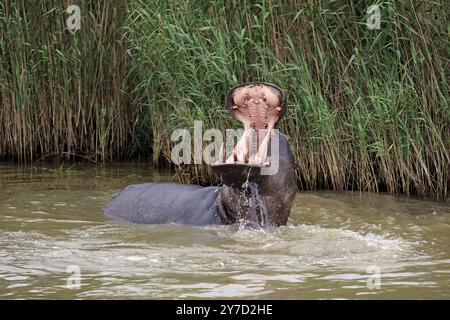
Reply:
x=256, y=103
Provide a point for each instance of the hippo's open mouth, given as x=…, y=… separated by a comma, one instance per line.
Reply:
x=258, y=106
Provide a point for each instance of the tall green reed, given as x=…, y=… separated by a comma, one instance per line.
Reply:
x=62, y=92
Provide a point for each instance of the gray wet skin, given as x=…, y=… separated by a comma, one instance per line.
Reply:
x=260, y=203
x=157, y=203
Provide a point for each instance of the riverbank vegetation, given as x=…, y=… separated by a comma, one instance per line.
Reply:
x=367, y=109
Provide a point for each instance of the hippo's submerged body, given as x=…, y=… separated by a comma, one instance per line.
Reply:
x=266, y=200
x=156, y=203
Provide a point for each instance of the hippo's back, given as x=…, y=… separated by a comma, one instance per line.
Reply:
x=156, y=203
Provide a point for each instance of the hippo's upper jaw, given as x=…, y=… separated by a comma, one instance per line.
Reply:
x=258, y=106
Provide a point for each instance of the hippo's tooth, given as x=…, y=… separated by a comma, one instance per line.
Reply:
x=278, y=108
x=221, y=154
x=235, y=107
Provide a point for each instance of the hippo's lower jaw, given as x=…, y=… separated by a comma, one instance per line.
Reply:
x=248, y=207
x=254, y=199
x=249, y=198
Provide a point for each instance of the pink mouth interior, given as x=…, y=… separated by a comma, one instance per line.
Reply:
x=258, y=107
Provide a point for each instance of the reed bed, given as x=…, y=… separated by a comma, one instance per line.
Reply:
x=62, y=92
x=368, y=109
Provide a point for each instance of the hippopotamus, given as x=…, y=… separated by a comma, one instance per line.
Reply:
x=246, y=195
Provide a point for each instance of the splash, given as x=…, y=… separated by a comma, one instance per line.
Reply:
x=256, y=213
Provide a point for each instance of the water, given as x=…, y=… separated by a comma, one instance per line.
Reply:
x=252, y=203
x=50, y=222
